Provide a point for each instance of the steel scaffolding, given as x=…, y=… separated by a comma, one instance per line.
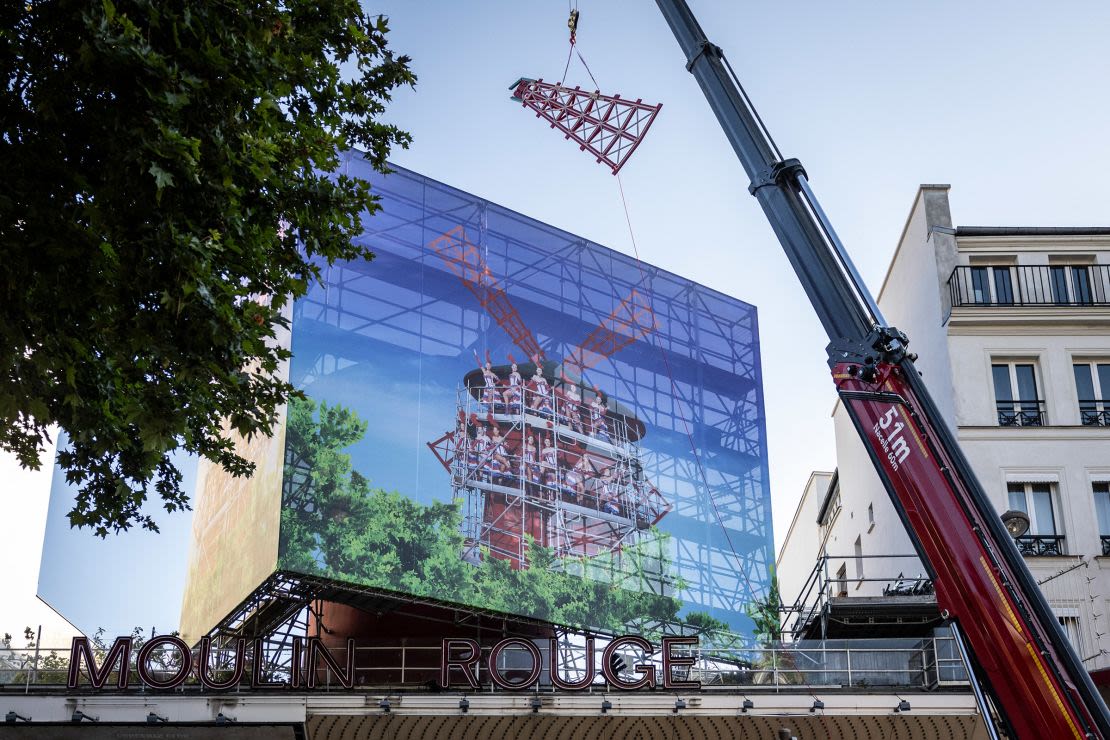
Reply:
x=681, y=360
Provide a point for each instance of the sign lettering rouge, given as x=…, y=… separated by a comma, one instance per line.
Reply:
x=461, y=664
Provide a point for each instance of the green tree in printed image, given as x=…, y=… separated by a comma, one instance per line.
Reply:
x=335, y=524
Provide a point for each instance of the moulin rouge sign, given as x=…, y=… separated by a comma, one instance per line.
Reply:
x=461, y=663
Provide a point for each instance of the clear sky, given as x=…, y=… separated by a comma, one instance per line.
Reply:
x=1004, y=101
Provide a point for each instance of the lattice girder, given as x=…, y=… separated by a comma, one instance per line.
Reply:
x=608, y=126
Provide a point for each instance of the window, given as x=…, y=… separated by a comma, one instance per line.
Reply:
x=1003, y=285
x=1036, y=500
x=1071, y=284
x=870, y=517
x=1070, y=623
x=1092, y=388
x=859, y=559
x=832, y=511
x=1101, y=493
x=981, y=280
x=1081, y=285
x=1015, y=395
x=842, y=580
x=980, y=290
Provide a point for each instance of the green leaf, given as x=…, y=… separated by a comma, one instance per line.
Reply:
x=162, y=179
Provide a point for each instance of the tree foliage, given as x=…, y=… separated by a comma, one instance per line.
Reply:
x=335, y=524
x=163, y=200
x=43, y=664
x=767, y=613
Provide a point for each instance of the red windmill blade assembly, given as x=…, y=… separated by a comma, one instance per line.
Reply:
x=608, y=126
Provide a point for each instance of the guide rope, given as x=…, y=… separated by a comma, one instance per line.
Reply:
x=674, y=387
x=572, y=24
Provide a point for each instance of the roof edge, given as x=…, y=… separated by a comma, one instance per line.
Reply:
x=1032, y=231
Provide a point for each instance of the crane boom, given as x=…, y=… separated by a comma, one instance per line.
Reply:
x=982, y=583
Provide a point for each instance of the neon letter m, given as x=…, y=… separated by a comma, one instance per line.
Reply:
x=120, y=653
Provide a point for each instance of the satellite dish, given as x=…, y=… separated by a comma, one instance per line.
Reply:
x=1016, y=522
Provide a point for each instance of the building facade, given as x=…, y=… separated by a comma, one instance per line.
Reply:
x=523, y=492
x=1012, y=327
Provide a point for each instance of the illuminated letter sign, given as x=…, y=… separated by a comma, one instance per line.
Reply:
x=467, y=665
x=120, y=652
x=648, y=671
x=671, y=661
x=316, y=650
x=184, y=667
x=203, y=660
x=553, y=668
x=495, y=673
x=166, y=662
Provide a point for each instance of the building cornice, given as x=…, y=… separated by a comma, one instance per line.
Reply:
x=1033, y=434
x=1033, y=231
x=1012, y=243
x=834, y=485
x=1000, y=320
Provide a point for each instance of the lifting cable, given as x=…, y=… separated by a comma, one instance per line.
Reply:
x=572, y=24
x=675, y=392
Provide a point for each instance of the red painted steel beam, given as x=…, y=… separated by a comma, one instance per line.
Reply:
x=611, y=137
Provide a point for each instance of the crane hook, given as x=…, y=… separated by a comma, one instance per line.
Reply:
x=572, y=24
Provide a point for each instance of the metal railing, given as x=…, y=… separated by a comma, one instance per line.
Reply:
x=1024, y=413
x=1094, y=412
x=1030, y=285
x=823, y=584
x=905, y=663
x=1042, y=544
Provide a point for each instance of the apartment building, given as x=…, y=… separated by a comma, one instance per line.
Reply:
x=1012, y=326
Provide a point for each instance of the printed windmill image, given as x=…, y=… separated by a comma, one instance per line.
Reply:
x=502, y=417
x=607, y=126
x=538, y=455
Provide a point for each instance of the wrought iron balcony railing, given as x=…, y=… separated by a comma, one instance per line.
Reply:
x=1043, y=544
x=1094, y=412
x=1021, y=413
x=1030, y=285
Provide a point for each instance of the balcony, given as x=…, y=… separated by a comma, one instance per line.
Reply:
x=1094, y=412
x=1030, y=285
x=1021, y=413
x=1044, y=544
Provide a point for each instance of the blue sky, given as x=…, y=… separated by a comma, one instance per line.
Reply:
x=1004, y=101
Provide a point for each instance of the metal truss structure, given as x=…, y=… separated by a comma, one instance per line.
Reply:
x=682, y=360
x=588, y=496
x=288, y=606
x=292, y=605
x=607, y=126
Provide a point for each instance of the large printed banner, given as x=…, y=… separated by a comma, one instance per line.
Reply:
x=500, y=414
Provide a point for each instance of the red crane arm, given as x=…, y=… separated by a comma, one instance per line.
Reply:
x=972, y=585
